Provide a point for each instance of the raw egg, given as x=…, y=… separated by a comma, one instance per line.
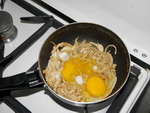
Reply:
x=69, y=70
x=76, y=66
x=95, y=86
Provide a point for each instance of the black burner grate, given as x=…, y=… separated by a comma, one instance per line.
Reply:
x=5, y=61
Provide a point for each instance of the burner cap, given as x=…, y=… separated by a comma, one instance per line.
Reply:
x=5, y=21
x=7, y=29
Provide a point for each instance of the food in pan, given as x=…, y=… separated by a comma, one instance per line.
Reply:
x=82, y=72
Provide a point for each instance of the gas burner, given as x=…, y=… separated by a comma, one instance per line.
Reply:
x=7, y=30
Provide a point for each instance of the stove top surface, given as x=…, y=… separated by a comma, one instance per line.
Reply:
x=129, y=19
x=29, y=97
x=107, y=14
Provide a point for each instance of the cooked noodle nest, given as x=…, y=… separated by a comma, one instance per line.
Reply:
x=82, y=72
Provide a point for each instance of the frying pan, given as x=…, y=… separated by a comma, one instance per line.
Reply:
x=85, y=31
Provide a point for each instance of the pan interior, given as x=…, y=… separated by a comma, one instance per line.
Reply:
x=94, y=33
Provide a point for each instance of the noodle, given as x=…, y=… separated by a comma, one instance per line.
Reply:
x=88, y=54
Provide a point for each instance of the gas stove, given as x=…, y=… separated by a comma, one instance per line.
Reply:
x=30, y=38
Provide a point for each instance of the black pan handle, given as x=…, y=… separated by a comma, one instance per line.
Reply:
x=23, y=80
x=124, y=93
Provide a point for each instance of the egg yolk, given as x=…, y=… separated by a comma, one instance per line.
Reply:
x=74, y=67
x=95, y=86
x=69, y=70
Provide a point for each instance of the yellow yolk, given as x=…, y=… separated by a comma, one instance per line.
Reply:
x=95, y=86
x=74, y=67
x=69, y=70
